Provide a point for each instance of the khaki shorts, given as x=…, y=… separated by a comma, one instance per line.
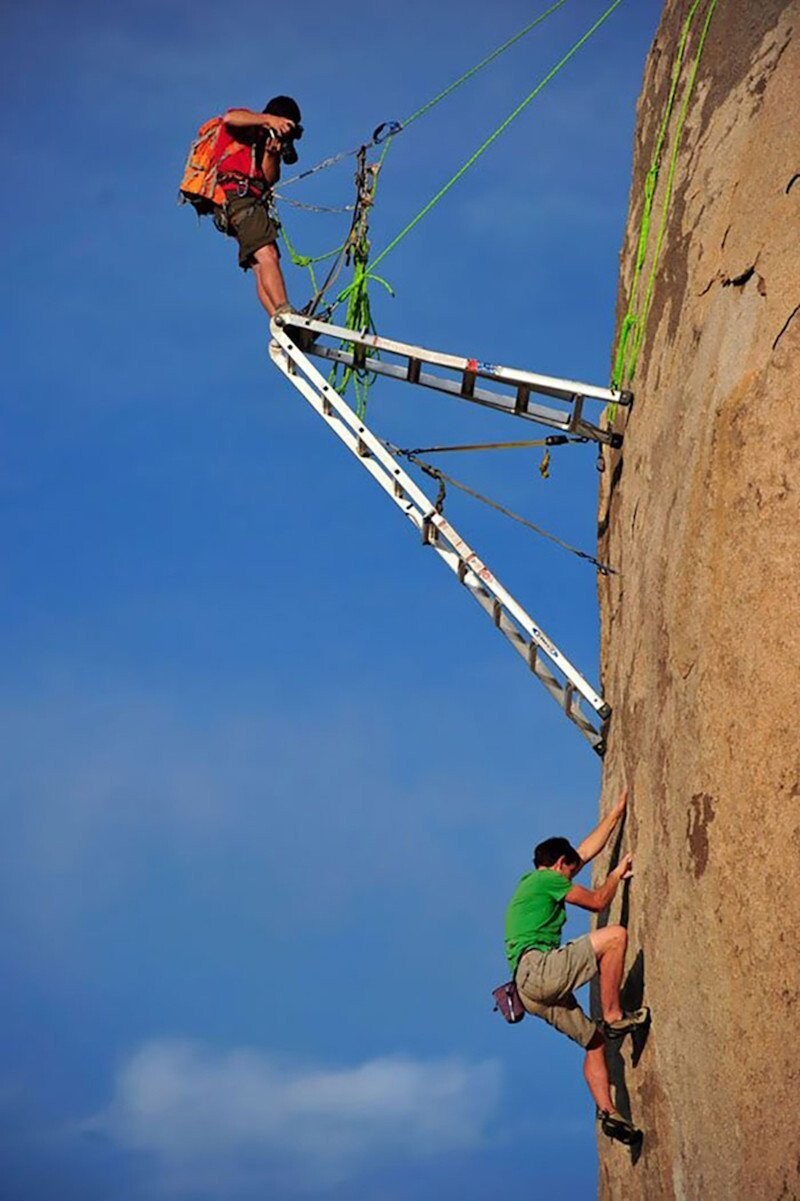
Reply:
x=250, y=223
x=545, y=980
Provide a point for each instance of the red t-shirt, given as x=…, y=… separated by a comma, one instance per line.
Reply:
x=241, y=159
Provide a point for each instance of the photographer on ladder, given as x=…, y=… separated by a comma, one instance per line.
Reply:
x=251, y=146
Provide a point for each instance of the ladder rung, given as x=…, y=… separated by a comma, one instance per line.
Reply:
x=569, y=697
x=428, y=531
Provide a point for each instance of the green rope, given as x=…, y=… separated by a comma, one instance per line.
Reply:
x=305, y=260
x=334, y=159
x=456, y=84
x=494, y=136
x=634, y=322
x=355, y=293
x=358, y=314
x=639, y=332
x=483, y=63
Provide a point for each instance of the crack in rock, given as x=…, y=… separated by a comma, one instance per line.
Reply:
x=786, y=325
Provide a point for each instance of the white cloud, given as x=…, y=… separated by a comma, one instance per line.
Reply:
x=210, y=1116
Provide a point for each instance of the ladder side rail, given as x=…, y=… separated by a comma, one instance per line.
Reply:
x=550, y=384
x=319, y=392
x=390, y=484
x=556, y=418
x=522, y=646
x=377, y=341
x=554, y=386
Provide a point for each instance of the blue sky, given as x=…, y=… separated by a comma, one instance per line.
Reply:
x=270, y=778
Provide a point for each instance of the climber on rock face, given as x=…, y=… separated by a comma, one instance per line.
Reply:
x=546, y=973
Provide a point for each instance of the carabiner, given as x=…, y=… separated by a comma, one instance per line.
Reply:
x=385, y=130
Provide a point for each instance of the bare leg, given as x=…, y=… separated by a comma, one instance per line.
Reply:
x=610, y=945
x=269, y=278
x=595, y=1071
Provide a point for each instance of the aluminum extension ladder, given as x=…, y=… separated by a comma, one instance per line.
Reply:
x=563, y=681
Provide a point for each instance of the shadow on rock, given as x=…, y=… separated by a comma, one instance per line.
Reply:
x=631, y=994
x=636, y=1150
x=632, y=997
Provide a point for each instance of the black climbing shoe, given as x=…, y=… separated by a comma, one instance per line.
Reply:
x=627, y=1023
x=614, y=1126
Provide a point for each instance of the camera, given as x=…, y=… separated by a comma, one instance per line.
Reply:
x=287, y=151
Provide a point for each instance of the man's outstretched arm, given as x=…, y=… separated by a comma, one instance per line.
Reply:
x=598, y=899
x=593, y=843
x=247, y=118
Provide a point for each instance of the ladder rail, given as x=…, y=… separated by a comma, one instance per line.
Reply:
x=525, y=635
x=560, y=419
x=565, y=388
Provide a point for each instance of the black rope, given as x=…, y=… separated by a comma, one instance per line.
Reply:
x=550, y=440
x=444, y=479
x=344, y=258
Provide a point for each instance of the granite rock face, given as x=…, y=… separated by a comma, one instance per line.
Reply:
x=700, y=513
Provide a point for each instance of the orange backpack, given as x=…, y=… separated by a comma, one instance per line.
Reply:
x=199, y=186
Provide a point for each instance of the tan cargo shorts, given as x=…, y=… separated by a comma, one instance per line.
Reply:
x=249, y=221
x=545, y=980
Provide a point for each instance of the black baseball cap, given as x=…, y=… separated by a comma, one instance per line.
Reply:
x=284, y=106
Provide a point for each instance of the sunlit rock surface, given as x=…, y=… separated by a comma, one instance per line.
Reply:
x=700, y=513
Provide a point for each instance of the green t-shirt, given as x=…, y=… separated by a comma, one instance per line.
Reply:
x=536, y=913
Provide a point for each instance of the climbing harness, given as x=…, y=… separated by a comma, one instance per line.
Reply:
x=561, y=679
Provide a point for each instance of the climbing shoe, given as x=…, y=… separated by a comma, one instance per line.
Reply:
x=615, y=1126
x=627, y=1023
